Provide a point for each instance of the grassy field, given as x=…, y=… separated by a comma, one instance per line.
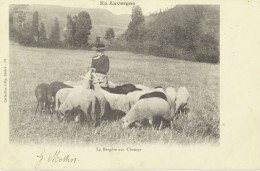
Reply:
x=32, y=66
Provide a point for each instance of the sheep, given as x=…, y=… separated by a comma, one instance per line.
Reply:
x=85, y=82
x=170, y=97
x=52, y=90
x=85, y=100
x=41, y=96
x=153, y=94
x=134, y=96
x=142, y=87
x=104, y=105
x=63, y=93
x=122, y=89
x=61, y=96
x=117, y=102
x=182, y=100
x=148, y=108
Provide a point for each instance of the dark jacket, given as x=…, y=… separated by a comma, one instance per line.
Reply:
x=101, y=64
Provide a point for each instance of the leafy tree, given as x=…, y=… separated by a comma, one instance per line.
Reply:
x=83, y=27
x=55, y=33
x=17, y=17
x=110, y=35
x=70, y=32
x=24, y=37
x=136, y=27
x=35, y=26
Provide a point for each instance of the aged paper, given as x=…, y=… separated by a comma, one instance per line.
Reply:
x=229, y=139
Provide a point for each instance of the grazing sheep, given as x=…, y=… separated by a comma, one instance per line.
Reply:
x=148, y=108
x=85, y=100
x=153, y=94
x=134, y=96
x=52, y=90
x=142, y=87
x=61, y=96
x=182, y=100
x=119, y=102
x=41, y=96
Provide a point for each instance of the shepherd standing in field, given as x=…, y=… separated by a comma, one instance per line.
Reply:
x=101, y=63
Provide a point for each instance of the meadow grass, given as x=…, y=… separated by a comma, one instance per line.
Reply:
x=32, y=66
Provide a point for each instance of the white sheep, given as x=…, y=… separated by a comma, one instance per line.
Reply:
x=103, y=103
x=61, y=96
x=148, y=108
x=182, y=99
x=86, y=100
x=116, y=101
x=85, y=82
x=135, y=95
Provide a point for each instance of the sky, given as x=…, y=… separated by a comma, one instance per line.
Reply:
x=148, y=6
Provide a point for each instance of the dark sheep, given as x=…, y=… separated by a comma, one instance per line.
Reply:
x=123, y=89
x=52, y=90
x=154, y=94
x=41, y=96
x=113, y=115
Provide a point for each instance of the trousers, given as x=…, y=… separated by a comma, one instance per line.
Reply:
x=103, y=79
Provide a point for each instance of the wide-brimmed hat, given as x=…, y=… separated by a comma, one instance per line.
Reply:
x=99, y=47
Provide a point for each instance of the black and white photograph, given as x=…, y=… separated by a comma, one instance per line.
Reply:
x=145, y=84
x=90, y=76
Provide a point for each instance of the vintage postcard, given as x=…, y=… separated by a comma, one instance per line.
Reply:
x=137, y=84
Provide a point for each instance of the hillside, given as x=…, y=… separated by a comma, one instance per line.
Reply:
x=206, y=16
x=186, y=32
x=101, y=18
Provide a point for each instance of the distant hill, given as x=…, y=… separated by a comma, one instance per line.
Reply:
x=101, y=18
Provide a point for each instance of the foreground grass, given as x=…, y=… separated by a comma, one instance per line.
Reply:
x=32, y=66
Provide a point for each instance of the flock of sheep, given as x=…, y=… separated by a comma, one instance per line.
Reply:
x=86, y=101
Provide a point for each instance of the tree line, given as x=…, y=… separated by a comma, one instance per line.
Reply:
x=78, y=30
x=189, y=32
